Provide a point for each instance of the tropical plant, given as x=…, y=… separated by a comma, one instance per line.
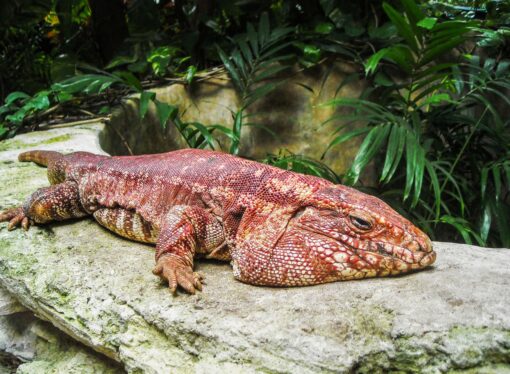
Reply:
x=253, y=66
x=287, y=160
x=443, y=143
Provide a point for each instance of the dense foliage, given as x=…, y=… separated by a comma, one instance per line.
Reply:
x=438, y=74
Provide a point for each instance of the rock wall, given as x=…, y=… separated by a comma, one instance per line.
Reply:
x=293, y=111
x=98, y=289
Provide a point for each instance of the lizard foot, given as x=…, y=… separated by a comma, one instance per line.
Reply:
x=16, y=217
x=174, y=270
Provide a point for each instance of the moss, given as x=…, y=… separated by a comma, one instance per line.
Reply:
x=12, y=144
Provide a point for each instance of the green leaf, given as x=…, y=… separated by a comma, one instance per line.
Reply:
x=253, y=39
x=413, y=11
x=419, y=170
x=263, y=28
x=165, y=112
x=460, y=225
x=13, y=96
x=368, y=149
x=129, y=80
x=437, y=99
x=435, y=186
x=427, y=23
x=411, y=155
x=17, y=117
x=233, y=72
x=105, y=109
x=496, y=176
x=345, y=137
x=324, y=28
x=398, y=54
x=502, y=218
x=238, y=124
x=403, y=27
x=40, y=101
x=270, y=72
x=121, y=60
x=209, y=139
x=435, y=51
x=62, y=96
x=246, y=51
x=159, y=58
x=85, y=83
x=373, y=61
x=312, y=52
x=145, y=98
x=190, y=73
x=394, y=152
x=226, y=131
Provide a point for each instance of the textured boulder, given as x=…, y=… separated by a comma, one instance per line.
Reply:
x=98, y=289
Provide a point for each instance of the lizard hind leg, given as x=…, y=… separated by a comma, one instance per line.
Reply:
x=126, y=223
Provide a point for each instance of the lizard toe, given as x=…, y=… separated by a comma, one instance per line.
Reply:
x=9, y=214
x=16, y=217
x=177, y=274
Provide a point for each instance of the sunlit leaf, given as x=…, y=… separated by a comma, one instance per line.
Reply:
x=13, y=96
x=427, y=23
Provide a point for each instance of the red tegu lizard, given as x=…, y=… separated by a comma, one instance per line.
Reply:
x=277, y=227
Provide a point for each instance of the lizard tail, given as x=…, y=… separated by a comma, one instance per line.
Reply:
x=42, y=158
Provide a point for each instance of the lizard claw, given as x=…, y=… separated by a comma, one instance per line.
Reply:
x=16, y=217
x=174, y=270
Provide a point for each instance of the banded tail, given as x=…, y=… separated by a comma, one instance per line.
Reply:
x=51, y=159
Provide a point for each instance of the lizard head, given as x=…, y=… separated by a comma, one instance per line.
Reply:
x=352, y=235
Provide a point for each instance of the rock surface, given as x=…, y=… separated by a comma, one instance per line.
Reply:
x=31, y=346
x=9, y=304
x=98, y=288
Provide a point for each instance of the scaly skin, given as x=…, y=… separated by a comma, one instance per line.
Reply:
x=279, y=228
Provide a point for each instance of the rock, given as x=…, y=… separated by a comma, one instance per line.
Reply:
x=293, y=111
x=16, y=337
x=35, y=347
x=56, y=353
x=9, y=304
x=98, y=289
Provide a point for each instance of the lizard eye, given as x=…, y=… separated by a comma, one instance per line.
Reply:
x=360, y=223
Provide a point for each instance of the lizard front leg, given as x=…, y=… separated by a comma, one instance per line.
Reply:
x=186, y=231
x=55, y=203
